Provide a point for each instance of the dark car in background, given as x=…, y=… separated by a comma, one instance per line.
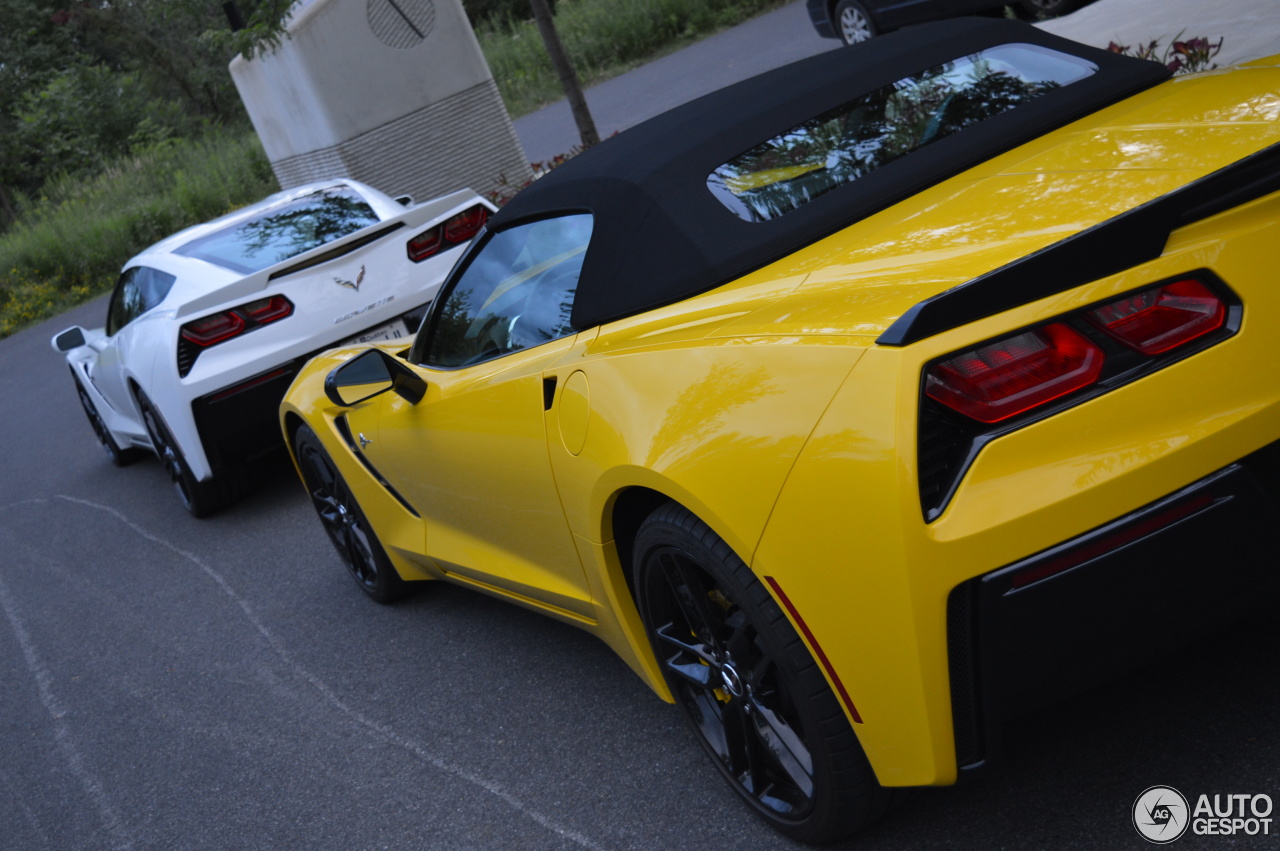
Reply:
x=853, y=21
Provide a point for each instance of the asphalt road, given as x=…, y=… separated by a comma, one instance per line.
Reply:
x=168, y=683
x=761, y=44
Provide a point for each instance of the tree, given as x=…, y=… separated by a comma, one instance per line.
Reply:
x=568, y=76
x=34, y=47
x=82, y=81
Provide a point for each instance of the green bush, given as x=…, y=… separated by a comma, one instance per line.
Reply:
x=69, y=244
x=602, y=37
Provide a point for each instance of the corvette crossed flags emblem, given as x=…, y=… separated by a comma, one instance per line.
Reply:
x=353, y=285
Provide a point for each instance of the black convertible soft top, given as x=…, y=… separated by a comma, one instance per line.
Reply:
x=660, y=235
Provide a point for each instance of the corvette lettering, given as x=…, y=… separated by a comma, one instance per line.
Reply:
x=344, y=317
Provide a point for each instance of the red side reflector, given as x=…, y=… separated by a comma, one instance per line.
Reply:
x=424, y=244
x=1164, y=318
x=1005, y=378
x=817, y=648
x=267, y=309
x=466, y=224
x=213, y=329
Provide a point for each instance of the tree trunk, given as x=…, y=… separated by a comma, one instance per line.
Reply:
x=8, y=212
x=568, y=77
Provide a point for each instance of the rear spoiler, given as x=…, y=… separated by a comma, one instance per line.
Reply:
x=411, y=221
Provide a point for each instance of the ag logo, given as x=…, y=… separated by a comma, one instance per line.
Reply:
x=351, y=285
x=1161, y=815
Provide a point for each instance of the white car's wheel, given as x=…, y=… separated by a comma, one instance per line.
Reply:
x=200, y=498
x=120, y=456
x=853, y=23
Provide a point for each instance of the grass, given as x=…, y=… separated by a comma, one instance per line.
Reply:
x=603, y=38
x=69, y=244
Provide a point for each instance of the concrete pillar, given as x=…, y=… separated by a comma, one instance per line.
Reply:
x=394, y=93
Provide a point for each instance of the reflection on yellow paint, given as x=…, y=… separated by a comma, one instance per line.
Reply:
x=701, y=408
x=767, y=177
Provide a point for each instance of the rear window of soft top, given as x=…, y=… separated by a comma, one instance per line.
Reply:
x=843, y=144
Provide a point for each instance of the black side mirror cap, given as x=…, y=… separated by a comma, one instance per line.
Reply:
x=71, y=338
x=372, y=373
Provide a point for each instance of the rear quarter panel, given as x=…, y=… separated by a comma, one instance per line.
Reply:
x=877, y=604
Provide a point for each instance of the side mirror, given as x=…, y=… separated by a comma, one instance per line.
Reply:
x=372, y=373
x=72, y=338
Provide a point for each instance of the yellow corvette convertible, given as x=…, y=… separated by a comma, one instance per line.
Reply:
x=858, y=406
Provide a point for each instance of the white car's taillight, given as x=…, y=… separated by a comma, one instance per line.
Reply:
x=456, y=230
x=199, y=334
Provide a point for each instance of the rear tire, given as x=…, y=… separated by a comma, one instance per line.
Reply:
x=747, y=686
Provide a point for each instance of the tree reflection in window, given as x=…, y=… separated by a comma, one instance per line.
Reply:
x=284, y=231
x=516, y=293
x=856, y=138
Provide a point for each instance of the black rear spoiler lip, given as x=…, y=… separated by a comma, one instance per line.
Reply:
x=336, y=252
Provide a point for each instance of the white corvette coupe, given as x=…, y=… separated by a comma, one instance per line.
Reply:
x=206, y=329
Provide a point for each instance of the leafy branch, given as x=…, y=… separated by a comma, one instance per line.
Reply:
x=1180, y=56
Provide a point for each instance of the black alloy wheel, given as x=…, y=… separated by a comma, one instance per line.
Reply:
x=199, y=498
x=853, y=23
x=346, y=525
x=748, y=686
x=119, y=457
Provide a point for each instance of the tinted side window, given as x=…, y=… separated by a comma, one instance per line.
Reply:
x=138, y=290
x=517, y=292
